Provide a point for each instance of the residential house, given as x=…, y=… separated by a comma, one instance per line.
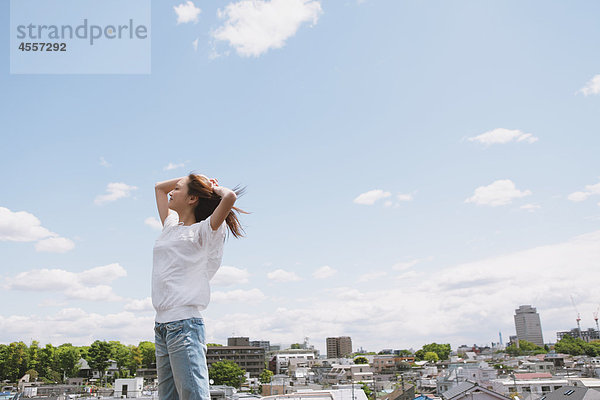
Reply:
x=472, y=391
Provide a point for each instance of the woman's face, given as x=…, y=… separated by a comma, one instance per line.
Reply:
x=178, y=197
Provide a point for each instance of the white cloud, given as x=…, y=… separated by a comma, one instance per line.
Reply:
x=93, y=293
x=102, y=274
x=187, y=12
x=229, y=276
x=369, y=276
x=195, y=44
x=104, y=163
x=403, y=266
x=591, y=87
x=172, y=166
x=472, y=301
x=400, y=197
x=153, y=223
x=590, y=190
x=86, y=285
x=22, y=226
x=324, y=272
x=139, y=305
x=404, y=197
x=369, y=198
x=280, y=275
x=530, y=207
x=253, y=27
x=76, y=326
x=502, y=136
x=114, y=191
x=578, y=196
x=239, y=296
x=498, y=193
x=55, y=245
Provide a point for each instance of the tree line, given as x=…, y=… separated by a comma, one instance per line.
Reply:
x=53, y=364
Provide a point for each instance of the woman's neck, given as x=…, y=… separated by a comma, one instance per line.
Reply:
x=187, y=217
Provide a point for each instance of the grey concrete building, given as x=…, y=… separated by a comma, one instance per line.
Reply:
x=250, y=358
x=528, y=325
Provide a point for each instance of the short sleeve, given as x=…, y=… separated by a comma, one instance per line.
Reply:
x=171, y=220
x=209, y=236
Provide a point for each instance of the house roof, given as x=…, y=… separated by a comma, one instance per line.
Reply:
x=573, y=393
x=458, y=389
x=462, y=388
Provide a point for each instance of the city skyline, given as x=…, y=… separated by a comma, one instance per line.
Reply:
x=415, y=172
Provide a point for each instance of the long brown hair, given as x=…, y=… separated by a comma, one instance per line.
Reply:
x=208, y=201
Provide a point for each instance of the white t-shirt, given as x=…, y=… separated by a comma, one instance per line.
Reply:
x=185, y=260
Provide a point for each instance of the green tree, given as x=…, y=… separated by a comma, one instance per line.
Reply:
x=34, y=356
x=525, y=348
x=366, y=389
x=361, y=360
x=99, y=354
x=135, y=358
x=67, y=360
x=570, y=345
x=83, y=352
x=47, y=360
x=431, y=357
x=18, y=357
x=148, y=354
x=227, y=373
x=3, y=362
x=296, y=346
x=121, y=354
x=442, y=351
x=213, y=344
x=265, y=376
x=33, y=374
x=52, y=377
x=405, y=353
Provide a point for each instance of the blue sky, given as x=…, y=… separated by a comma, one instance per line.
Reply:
x=415, y=172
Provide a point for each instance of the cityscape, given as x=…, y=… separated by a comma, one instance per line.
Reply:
x=527, y=367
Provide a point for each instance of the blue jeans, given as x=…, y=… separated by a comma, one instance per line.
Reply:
x=181, y=360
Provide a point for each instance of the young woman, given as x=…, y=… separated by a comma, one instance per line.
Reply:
x=195, y=212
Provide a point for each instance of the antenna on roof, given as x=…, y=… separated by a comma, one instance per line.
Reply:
x=578, y=317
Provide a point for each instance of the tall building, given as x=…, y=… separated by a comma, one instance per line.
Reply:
x=238, y=341
x=265, y=344
x=528, y=326
x=249, y=358
x=338, y=347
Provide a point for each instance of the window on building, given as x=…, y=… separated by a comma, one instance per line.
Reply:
x=512, y=389
x=545, y=389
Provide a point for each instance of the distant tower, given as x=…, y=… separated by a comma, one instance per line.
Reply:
x=528, y=326
x=338, y=347
x=500, y=334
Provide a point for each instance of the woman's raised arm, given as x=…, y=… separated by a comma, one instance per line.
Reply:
x=228, y=198
x=162, y=190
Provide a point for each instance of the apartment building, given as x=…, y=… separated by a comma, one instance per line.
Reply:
x=250, y=358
